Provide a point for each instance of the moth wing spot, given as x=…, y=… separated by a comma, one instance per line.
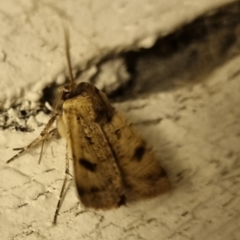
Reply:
x=163, y=173
x=81, y=191
x=139, y=152
x=94, y=189
x=88, y=165
x=122, y=201
x=89, y=139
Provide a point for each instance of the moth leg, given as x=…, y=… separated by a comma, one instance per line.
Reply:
x=49, y=134
x=63, y=187
x=42, y=137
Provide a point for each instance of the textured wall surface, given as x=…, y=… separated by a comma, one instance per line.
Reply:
x=32, y=52
x=193, y=128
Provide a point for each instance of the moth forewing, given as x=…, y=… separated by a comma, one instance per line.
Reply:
x=112, y=163
x=141, y=170
x=97, y=176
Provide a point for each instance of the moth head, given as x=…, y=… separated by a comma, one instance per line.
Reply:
x=67, y=91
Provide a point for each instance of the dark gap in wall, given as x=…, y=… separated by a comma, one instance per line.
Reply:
x=179, y=59
x=184, y=57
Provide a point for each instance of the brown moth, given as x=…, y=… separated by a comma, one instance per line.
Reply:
x=112, y=163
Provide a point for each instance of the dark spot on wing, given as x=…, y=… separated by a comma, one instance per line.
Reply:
x=122, y=201
x=94, y=189
x=139, y=152
x=88, y=165
x=163, y=173
x=81, y=191
x=89, y=139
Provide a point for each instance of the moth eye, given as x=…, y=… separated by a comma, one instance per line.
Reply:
x=139, y=152
x=87, y=164
x=78, y=118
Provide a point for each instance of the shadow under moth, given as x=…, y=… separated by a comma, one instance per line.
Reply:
x=112, y=163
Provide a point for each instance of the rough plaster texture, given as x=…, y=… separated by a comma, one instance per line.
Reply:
x=31, y=38
x=193, y=129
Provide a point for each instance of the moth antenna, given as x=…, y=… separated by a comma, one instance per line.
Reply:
x=69, y=64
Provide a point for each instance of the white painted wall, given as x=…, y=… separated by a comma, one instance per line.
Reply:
x=200, y=150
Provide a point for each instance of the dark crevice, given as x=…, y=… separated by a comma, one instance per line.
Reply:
x=183, y=57
x=186, y=56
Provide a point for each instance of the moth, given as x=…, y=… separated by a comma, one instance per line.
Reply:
x=112, y=163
